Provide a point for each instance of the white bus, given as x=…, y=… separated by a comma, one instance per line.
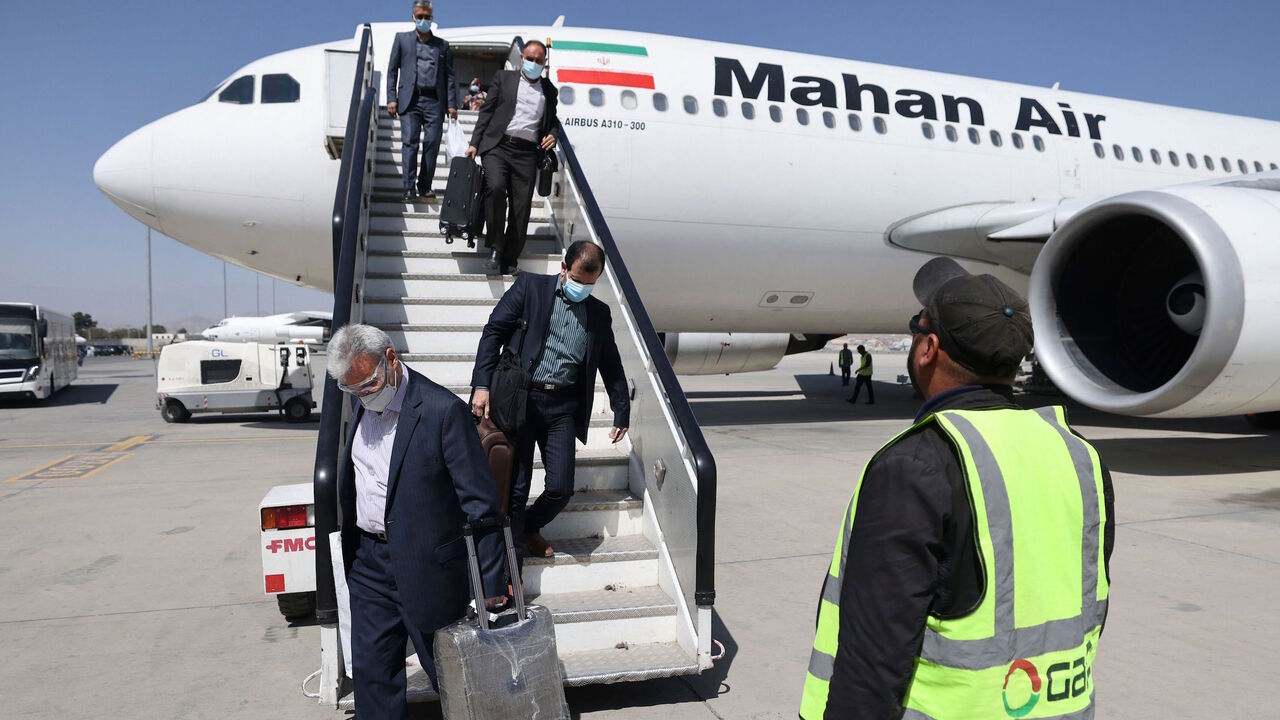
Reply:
x=37, y=351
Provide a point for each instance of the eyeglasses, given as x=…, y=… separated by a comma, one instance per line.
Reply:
x=915, y=327
x=360, y=387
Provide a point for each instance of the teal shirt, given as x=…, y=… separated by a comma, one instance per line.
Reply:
x=566, y=348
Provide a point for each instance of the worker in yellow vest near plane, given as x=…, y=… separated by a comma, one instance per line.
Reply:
x=970, y=577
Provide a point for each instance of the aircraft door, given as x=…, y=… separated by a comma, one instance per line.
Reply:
x=1071, y=166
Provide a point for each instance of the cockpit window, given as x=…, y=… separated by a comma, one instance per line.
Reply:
x=280, y=88
x=238, y=92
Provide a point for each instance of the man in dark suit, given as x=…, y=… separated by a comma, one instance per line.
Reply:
x=411, y=475
x=515, y=123
x=567, y=336
x=419, y=83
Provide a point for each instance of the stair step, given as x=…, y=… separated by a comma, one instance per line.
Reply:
x=587, y=564
x=603, y=513
x=428, y=311
x=607, y=604
x=535, y=245
x=467, y=262
x=458, y=288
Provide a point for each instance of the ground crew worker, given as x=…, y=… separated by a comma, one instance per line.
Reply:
x=864, y=378
x=969, y=580
x=846, y=364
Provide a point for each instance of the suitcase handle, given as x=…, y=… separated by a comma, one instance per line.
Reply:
x=477, y=584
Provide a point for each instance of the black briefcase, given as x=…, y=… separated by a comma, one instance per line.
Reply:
x=509, y=389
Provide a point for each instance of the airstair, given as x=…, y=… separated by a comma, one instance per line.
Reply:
x=631, y=585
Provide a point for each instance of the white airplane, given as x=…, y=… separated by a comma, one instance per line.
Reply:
x=310, y=325
x=778, y=193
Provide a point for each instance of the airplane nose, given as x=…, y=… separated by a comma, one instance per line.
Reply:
x=123, y=174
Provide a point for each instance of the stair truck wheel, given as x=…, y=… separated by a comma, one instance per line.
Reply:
x=297, y=606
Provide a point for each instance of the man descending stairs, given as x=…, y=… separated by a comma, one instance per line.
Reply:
x=605, y=583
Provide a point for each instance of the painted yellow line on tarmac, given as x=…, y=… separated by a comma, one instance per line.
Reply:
x=18, y=477
x=126, y=444
x=75, y=467
x=246, y=439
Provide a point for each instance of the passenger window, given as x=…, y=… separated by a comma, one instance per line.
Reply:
x=1118, y=152
x=855, y=122
x=213, y=372
x=239, y=92
x=1274, y=167
x=1017, y=140
x=880, y=125
x=1191, y=161
x=1137, y=154
x=1173, y=159
x=1244, y=168
x=802, y=116
x=1226, y=165
x=566, y=95
x=280, y=88
x=1257, y=166
x=659, y=102
x=595, y=96
x=718, y=107
x=629, y=100
x=691, y=104
x=1208, y=163
x=748, y=111
x=829, y=119
x=775, y=113
x=1038, y=142
x=1099, y=151
x=927, y=129
x=951, y=133
x=1155, y=156
x=973, y=136
x=996, y=139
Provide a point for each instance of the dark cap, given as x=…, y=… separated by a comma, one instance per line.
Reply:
x=984, y=324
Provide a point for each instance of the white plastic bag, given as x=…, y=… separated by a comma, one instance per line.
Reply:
x=455, y=141
x=344, y=599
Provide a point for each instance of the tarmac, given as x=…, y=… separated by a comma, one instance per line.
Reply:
x=132, y=577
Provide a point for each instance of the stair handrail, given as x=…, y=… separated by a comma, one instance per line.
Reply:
x=704, y=464
x=347, y=207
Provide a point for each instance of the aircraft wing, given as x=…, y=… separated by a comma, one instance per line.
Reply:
x=1003, y=233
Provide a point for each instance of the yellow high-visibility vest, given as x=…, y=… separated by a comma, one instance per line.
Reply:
x=1027, y=650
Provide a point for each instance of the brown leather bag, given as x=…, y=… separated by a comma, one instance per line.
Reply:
x=501, y=453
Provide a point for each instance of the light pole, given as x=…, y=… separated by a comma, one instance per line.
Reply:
x=273, y=296
x=150, y=346
x=224, y=289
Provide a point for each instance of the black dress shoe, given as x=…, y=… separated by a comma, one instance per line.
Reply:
x=426, y=194
x=410, y=196
x=491, y=265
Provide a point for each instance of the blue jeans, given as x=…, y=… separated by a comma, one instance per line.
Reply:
x=420, y=124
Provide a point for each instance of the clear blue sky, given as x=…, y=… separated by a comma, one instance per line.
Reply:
x=79, y=77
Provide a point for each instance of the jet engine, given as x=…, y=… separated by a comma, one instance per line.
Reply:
x=1165, y=303
x=724, y=353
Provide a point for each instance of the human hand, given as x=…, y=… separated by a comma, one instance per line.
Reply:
x=616, y=434
x=453, y=113
x=495, y=604
x=480, y=400
x=548, y=142
x=471, y=152
x=392, y=108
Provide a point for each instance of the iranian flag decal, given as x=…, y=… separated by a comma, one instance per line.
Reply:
x=590, y=63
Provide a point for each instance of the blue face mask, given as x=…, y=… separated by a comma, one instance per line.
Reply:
x=424, y=26
x=575, y=291
x=531, y=70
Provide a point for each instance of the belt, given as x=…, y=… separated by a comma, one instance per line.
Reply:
x=519, y=142
x=374, y=536
x=548, y=387
x=427, y=91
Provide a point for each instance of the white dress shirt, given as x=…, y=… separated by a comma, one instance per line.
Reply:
x=530, y=104
x=371, y=456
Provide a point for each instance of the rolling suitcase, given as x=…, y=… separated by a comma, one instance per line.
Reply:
x=500, y=453
x=508, y=669
x=462, y=212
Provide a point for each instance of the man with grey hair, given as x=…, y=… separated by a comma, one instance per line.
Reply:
x=419, y=83
x=411, y=474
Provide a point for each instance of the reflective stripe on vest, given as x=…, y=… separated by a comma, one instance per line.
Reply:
x=993, y=663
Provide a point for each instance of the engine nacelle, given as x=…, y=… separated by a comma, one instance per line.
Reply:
x=724, y=353
x=1165, y=303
